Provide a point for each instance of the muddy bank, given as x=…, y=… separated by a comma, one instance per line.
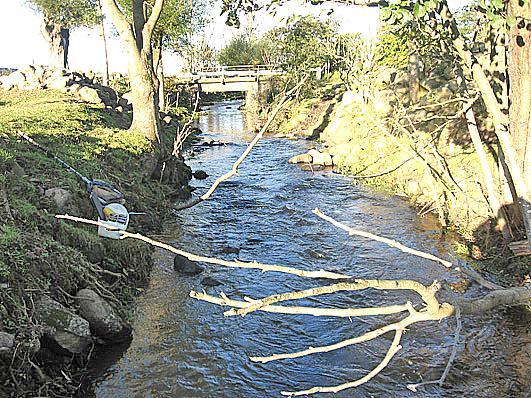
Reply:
x=65, y=293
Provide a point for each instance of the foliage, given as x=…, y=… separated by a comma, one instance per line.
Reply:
x=245, y=49
x=68, y=13
x=303, y=43
x=392, y=49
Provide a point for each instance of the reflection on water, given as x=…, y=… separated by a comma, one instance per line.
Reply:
x=186, y=348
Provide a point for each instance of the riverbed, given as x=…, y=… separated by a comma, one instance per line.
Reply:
x=186, y=348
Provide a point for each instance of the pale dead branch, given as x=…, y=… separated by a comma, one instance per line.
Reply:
x=474, y=275
x=389, y=242
x=234, y=170
x=393, y=349
x=297, y=310
x=234, y=264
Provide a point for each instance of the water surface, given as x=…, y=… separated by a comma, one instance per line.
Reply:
x=187, y=348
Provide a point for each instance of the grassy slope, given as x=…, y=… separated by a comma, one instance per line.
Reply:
x=39, y=255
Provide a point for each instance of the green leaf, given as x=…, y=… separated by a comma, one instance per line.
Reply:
x=385, y=13
x=419, y=10
x=511, y=21
x=497, y=4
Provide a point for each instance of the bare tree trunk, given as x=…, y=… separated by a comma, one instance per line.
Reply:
x=105, y=52
x=519, y=68
x=159, y=68
x=58, y=39
x=144, y=96
x=492, y=196
x=501, y=122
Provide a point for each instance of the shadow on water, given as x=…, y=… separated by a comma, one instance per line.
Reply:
x=186, y=348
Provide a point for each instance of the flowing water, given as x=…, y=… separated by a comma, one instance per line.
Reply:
x=187, y=348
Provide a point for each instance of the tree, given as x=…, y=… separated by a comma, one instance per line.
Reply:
x=136, y=33
x=244, y=49
x=302, y=44
x=179, y=19
x=58, y=18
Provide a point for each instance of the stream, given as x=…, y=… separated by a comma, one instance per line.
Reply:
x=187, y=348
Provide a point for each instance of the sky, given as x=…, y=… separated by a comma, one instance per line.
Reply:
x=22, y=43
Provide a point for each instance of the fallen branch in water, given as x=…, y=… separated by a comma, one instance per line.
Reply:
x=440, y=381
x=389, y=242
x=393, y=243
x=248, y=150
x=432, y=311
x=210, y=260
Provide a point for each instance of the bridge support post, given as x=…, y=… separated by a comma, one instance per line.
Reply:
x=256, y=99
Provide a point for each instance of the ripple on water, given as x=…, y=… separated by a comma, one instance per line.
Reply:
x=186, y=348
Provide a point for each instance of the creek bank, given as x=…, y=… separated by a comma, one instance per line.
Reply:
x=376, y=139
x=65, y=293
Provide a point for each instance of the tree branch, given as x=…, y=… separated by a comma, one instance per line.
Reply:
x=393, y=349
x=147, y=32
x=389, y=242
x=427, y=293
x=293, y=310
x=249, y=148
x=234, y=264
x=119, y=19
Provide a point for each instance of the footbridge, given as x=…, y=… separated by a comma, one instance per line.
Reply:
x=242, y=78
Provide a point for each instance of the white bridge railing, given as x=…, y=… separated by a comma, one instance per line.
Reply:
x=222, y=72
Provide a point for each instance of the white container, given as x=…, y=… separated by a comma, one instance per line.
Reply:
x=117, y=220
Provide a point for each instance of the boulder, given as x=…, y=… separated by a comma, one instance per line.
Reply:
x=17, y=170
x=230, y=250
x=304, y=158
x=183, y=265
x=59, y=82
x=106, y=94
x=126, y=100
x=103, y=320
x=14, y=80
x=320, y=159
x=7, y=341
x=200, y=175
x=90, y=95
x=312, y=167
x=66, y=330
x=63, y=200
x=413, y=188
x=167, y=119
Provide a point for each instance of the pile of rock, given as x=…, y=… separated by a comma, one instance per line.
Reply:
x=68, y=332
x=83, y=86
x=317, y=160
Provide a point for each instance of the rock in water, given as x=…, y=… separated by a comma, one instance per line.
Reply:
x=183, y=265
x=103, y=319
x=200, y=175
x=230, y=250
x=210, y=282
x=304, y=158
x=68, y=331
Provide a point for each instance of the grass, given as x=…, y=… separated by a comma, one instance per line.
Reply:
x=38, y=254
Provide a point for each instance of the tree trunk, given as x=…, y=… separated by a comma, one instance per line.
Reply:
x=159, y=68
x=519, y=68
x=105, y=52
x=413, y=70
x=144, y=96
x=58, y=39
x=137, y=37
x=500, y=120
